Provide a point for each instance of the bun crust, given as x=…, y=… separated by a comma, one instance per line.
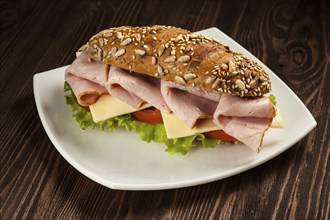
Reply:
x=179, y=56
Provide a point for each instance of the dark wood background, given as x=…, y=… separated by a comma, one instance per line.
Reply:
x=291, y=37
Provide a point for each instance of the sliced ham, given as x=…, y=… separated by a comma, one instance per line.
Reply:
x=86, y=79
x=189, y=103
x=92, y=71
x=230, y=105
x=245, y=119
x=86, y=92
x=135, y=88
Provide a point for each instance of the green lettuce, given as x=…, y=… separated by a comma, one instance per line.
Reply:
x=272, y=99
x=147, y=132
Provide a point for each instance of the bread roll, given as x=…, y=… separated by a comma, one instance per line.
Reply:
x=179, y=56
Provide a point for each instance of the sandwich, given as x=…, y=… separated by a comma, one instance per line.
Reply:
x=170, y=86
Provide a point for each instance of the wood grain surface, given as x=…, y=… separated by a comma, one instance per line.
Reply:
x=291, y=37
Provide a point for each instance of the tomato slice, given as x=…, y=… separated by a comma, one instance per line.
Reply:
x=219, y=135
x=152, y=115
x=149, y=115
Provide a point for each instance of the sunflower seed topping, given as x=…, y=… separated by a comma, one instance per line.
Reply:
x=180, y=80
x=253, y=84
x=113, y=51
x=231, y=74
x=216, y=83
x=240, y=84
x=120, y=52
x=160, y=70
x=107, y=34
x=193, y=35
x=189, y=76
x=170, y=59
x=139, y=52
x=238, y=75
x=119, y=35
x=224, y=66
x=184, y=58
x=153, y=60
x=209, y=79
x=146, y=47
x=161, y=50
x=126, y=41
x=101, y=42
x=138, y=37
x=99, y=55
x=231, y=66
x=178, y=38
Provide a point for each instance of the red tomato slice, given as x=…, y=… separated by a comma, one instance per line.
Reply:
x=153, y=116
x=219, y=135
x=149, y=115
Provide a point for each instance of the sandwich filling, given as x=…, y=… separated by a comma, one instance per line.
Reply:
x=194, y=109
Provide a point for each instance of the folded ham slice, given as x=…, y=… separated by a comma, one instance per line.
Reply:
x=93, y=71
x=85, y=91
x=86, y=79
x=245, y=119
x=135, y=88
x=189, y=103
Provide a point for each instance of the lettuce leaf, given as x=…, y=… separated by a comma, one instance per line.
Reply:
x=147, y=132
x=272, y=99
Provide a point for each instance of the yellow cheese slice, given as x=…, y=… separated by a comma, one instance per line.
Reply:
x=277, y=120
x=108, y=106
x=175, y=128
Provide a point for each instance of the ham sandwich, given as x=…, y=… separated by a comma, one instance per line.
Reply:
x=243, y=115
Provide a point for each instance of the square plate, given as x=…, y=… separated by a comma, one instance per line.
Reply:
x=121, y=160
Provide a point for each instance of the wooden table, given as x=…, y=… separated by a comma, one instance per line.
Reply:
x=291, y=37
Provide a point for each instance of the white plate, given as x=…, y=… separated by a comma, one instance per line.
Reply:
x=120, y=160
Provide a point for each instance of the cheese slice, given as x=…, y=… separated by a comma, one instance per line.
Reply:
x=108, y=106
x=277, y=120
x=175, y=128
